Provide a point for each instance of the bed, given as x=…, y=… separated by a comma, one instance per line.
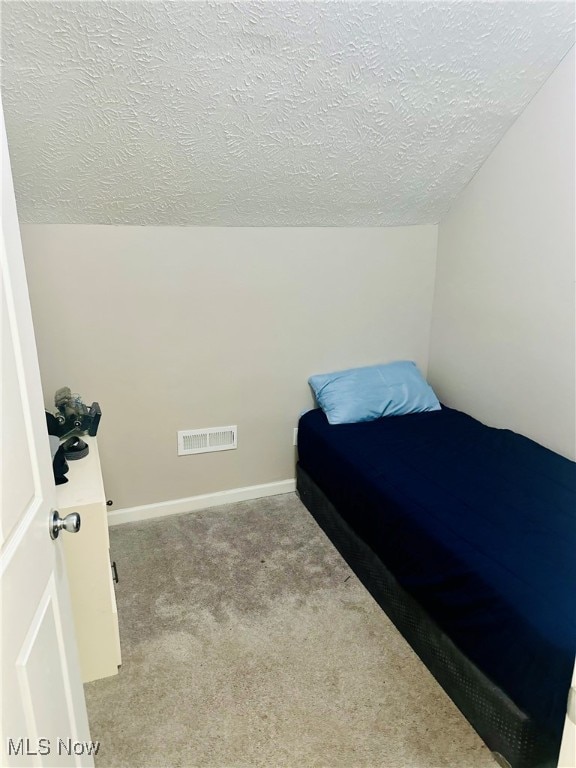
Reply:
x=466, y=536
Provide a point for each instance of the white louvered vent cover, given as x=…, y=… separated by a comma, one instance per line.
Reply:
x=205, y=440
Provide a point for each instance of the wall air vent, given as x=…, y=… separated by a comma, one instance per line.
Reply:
x=206, y=440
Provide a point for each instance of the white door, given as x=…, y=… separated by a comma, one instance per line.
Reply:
x=44, y=720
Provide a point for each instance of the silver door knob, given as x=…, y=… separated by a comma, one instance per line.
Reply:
x=70, y=523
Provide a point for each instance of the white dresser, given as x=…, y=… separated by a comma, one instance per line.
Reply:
x=89, y=569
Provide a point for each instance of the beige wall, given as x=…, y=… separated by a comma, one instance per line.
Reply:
x=175, y=328
x=503, y=328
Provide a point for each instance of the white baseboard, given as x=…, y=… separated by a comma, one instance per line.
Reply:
x=196, y=503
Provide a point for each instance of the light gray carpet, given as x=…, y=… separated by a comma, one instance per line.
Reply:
x=247, y=641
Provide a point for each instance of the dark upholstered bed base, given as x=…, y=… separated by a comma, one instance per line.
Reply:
x=506, y=730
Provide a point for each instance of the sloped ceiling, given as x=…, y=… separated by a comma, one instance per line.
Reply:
x=264, y=113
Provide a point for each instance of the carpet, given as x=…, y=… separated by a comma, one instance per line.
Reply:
x=247, y=641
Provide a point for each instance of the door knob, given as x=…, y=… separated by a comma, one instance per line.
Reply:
x=70, y=523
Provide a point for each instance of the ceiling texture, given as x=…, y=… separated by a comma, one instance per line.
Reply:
x=268, y=113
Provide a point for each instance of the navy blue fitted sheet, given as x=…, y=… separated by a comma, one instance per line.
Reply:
x=478, y=524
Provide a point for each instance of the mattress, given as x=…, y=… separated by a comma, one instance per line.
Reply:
x=478, y=525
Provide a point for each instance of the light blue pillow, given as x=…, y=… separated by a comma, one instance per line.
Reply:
x=365, y=394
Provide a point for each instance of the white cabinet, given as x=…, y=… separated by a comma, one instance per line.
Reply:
x=88, y=564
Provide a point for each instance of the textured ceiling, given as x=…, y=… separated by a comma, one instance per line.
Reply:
x=264, y=113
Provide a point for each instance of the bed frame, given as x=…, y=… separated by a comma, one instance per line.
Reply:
x=514, y=738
